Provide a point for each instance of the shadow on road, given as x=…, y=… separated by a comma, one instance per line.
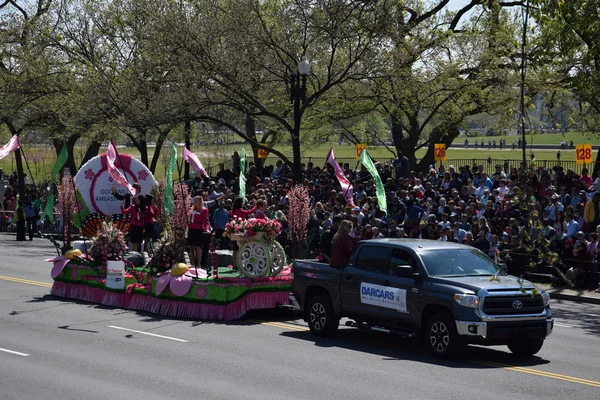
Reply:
x=392, y=348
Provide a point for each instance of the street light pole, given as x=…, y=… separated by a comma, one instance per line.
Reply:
x=523, y=73
x=298, y=95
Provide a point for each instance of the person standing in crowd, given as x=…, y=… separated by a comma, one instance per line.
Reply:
x=19, y=219
x=198, y=226
x=138, y=219
x=9, y=199
x=221, y=218
x=32, y=213
x=591, y=213
x=149, y=222
x=341, y=245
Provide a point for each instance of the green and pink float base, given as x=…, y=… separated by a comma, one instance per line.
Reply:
x=225, y=297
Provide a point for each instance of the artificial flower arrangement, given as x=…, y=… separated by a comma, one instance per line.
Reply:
x=270, y=227
x=109, y=244
x=235, y=227
x=249, y=228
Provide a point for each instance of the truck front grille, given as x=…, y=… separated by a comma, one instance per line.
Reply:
x=506, y=305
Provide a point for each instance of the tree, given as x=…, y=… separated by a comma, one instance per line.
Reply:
x=247, y=50
x=442, y=70
x=30, y=74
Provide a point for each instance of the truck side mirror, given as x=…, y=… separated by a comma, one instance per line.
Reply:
x=403, y=271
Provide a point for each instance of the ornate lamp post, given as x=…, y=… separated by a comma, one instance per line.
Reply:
x=298, y=95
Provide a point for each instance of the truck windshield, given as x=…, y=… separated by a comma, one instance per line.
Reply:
x=458, y=262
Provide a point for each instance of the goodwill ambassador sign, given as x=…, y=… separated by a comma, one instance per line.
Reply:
x=94, y=182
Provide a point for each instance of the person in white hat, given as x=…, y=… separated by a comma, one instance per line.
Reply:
x=358, y=215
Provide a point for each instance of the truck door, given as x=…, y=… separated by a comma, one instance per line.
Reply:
x=405, y=308
x=361, y=280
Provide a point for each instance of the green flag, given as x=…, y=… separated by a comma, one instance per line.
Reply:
x=243, y=175
x=61, y=160
x=168, y=200
x=368, y=163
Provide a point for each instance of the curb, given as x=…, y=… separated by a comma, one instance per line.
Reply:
x=576, y=298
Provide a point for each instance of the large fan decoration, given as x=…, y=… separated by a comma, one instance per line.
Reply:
x=93, y=222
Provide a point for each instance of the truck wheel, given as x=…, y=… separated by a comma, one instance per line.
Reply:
x=441, y=335
x=526, y=348
x=321, y=318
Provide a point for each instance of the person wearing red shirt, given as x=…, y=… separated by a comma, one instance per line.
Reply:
x=151, y=213
x=136, y=226
x=341, y=246
x=198, y=225
x=239, y=212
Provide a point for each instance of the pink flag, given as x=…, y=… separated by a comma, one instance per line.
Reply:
x=194, y=162
x=111, y=157
x=9, y=147
x=344, y=182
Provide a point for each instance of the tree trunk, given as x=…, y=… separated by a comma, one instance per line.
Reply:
x=21, y=174
x=397, y=133
x=143, y=149
x=92, y=151
x=251, y=133
x=187, y=131
x=70, y=143
x=437, y=136
x=157, y=149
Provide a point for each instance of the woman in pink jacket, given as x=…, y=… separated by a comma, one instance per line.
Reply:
x=198, y=225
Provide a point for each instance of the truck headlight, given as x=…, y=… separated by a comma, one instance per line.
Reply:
x=546, y=298
x=467, y=300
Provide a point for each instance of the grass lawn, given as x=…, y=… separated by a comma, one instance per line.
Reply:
x=41, y=165
x=548, y=138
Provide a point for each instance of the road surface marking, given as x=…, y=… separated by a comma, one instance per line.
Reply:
x=26, y=281
x=283, y=325
x=592, y=315
x=563, y=326
x=531, y=371
x=149, y=334
x=541, y=373
x=14, y=352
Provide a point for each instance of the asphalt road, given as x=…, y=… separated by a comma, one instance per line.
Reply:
x=51, y=348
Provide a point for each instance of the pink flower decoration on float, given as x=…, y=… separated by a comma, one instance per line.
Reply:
x=142, y=175
x=89, y=174
x=179, y=279
x=201, y=293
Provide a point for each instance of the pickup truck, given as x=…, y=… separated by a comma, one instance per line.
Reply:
x=447, y=294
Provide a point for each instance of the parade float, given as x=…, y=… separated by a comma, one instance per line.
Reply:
x=101, y=270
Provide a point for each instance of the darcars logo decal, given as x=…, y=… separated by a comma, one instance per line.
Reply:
x=383, y=296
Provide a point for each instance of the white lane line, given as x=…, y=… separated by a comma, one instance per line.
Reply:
x=149, y=334
x=14, y=352
x=563, y=326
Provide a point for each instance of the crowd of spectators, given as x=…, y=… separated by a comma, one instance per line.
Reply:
x=519, y=219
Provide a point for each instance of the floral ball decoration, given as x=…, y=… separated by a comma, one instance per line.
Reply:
x=109, y=244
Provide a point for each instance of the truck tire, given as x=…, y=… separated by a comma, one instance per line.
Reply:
x=321, y=318
x=526, y=348
x=441, y=336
